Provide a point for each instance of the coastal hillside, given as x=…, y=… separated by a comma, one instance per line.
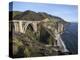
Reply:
x=34, y=16
x=40, y=43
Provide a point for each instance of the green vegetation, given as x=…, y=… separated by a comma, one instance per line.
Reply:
x=16, y=13
x=29, y=44
x=31, y=15
x=34, y=43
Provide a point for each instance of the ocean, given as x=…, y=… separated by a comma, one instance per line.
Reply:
x=70, y=37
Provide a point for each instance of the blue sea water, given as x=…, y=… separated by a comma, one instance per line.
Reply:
x=70, y=37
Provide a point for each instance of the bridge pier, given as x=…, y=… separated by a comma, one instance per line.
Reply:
x=21, y=27
x=16, y=26
x=35, y=27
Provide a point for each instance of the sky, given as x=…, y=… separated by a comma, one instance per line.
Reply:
x=67, y=12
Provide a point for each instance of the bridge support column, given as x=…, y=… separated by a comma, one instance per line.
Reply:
x=16, y=26
x=35, y=27
x=60, y=28
x=20, y=27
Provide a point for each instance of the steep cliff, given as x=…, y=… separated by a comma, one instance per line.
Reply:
x=46, y=41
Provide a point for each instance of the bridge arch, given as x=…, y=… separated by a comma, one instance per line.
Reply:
x=30, y=27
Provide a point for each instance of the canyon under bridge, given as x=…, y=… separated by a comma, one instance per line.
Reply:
x=21, y=26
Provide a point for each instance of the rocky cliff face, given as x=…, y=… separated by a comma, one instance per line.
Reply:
x=46, y=41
